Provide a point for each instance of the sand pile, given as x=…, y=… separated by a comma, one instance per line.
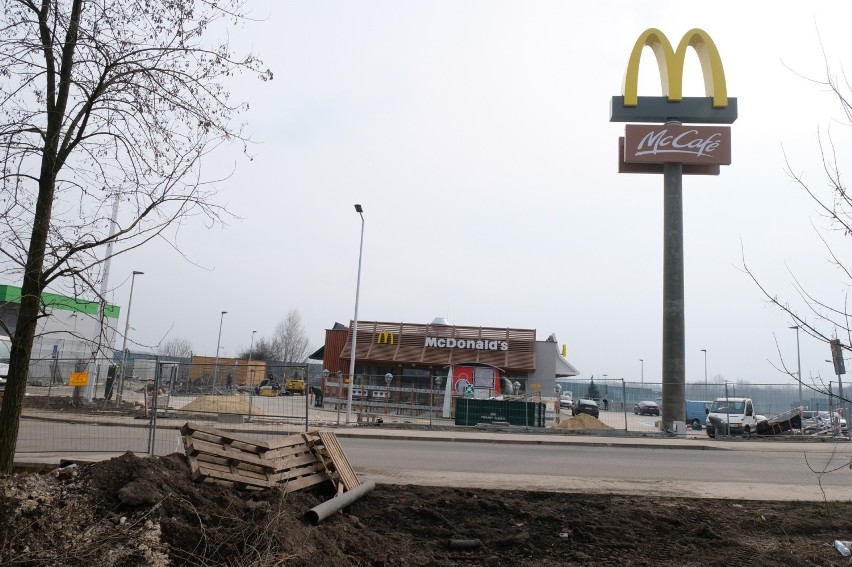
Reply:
x=222, y=404
x=582, y=421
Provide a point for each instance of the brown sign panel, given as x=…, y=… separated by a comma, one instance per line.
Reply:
x=688, y=169
x=667, y=143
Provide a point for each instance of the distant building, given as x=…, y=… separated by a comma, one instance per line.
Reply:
x=490, y=360
x=69, y=331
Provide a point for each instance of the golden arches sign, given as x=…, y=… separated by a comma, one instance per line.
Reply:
x=385, y=337
x=671, y=62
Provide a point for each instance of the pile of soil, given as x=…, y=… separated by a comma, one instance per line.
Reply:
x=582, y=421
x=134, y=511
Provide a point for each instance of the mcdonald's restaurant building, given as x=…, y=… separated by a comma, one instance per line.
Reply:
x=410, y=363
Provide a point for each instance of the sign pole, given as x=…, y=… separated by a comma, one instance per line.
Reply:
x=674, y=349
x=674, y=150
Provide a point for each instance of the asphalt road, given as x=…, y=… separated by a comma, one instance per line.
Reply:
x=747, y=474
x=695, y=467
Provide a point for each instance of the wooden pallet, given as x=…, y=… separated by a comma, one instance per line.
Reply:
x=296, y=466
x=226, y=458
x=296, y=462
x=329, y=450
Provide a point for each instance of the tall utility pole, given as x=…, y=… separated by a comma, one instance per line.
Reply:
x=704, y=350
x=113, y=227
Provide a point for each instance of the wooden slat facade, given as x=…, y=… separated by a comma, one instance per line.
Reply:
x=405, y=343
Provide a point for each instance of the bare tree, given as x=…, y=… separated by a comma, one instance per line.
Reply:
x=822, y=318
x=263, y=349
x=101, y=103
x=290, y=339
x=176, y=347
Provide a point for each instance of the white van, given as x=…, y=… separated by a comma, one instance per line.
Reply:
x=738, y=413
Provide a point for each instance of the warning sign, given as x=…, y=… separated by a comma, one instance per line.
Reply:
x=79, y=379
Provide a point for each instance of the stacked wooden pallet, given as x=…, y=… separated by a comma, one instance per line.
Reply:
x=296, y=462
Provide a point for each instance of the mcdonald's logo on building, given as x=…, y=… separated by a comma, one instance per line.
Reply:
x=385, y=337
x=715, y=108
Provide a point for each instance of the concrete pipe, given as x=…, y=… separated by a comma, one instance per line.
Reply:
x=319, y=513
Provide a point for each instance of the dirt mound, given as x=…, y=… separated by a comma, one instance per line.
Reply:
x=135, y=511
x=582, y=421
x=222, y=404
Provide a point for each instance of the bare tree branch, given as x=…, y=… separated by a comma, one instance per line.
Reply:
x=98, y=101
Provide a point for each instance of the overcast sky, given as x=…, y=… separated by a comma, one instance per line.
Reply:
x=476, y=136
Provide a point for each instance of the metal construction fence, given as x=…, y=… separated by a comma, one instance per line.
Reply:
x=144, y=413
x=769, y=399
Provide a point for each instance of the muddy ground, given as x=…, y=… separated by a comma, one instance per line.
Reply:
x=135, y=511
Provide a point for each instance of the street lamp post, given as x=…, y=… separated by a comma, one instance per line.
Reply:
x=799, y=363
x=218, y=342
x=388, y=380
x=325, y=375
x=704, y=350
x=337, y=397
x=360, y=211
x=124, y=345
x=727, y=410
x=251, y=347
x=641, y=376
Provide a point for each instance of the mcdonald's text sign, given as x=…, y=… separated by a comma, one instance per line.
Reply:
x=670, y=143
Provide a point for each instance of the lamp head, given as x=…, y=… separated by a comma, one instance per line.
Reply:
x=137, y=273
x=358, y=209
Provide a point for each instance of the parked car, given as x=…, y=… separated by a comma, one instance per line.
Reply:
x=844, y=427
x=566, y=400
x=821, y=422
x=647, y=408
x=589, y=407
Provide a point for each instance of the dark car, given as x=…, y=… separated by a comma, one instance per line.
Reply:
x=646, y=408
x=589, y=407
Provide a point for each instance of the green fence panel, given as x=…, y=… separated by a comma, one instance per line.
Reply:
x=471, y=411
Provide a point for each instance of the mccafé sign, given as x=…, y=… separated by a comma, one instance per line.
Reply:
x=646, y=148
x=473, y=344
x=710, y=145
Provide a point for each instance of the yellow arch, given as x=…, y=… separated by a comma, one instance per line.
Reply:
x=671, y=62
